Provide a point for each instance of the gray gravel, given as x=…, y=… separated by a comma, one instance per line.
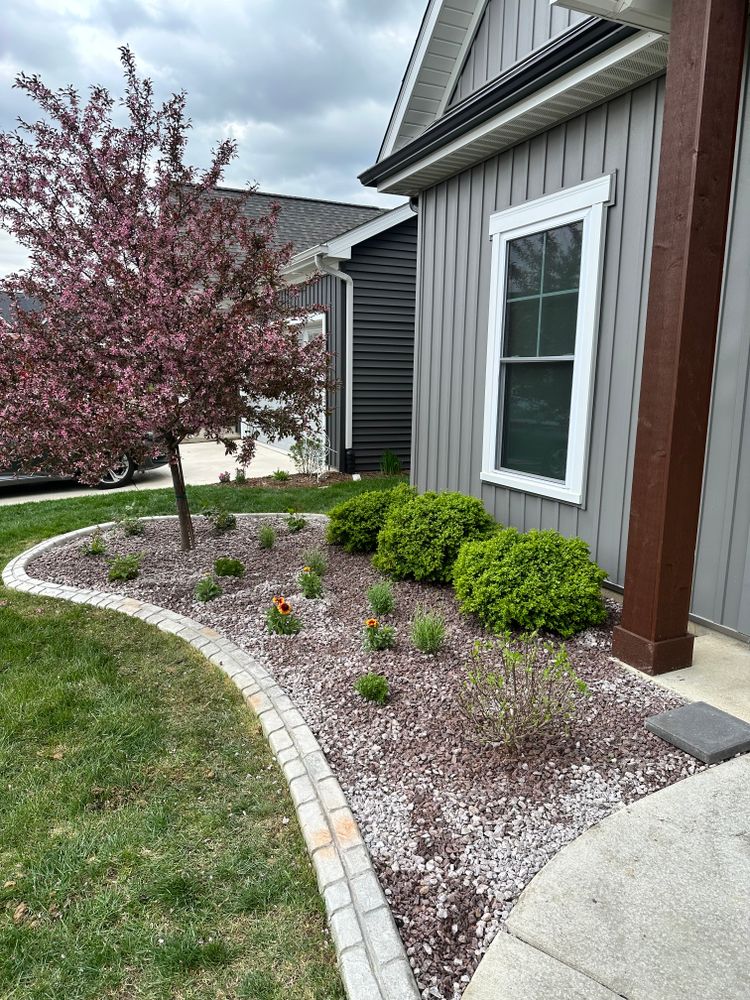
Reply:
x=456, y=831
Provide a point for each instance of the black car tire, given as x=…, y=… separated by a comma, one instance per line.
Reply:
x=119, y=475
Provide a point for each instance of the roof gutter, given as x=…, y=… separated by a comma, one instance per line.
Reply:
x=348, y=341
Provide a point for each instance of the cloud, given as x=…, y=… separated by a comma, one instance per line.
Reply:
x=305, y=86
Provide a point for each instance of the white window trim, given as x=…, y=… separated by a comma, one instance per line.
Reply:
x=586, y=202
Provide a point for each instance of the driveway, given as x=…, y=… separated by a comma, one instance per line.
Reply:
x=202, y=463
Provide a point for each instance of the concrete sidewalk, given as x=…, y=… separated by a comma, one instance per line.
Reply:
x=651, y=904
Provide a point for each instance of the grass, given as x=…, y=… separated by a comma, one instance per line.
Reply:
x=143, y=845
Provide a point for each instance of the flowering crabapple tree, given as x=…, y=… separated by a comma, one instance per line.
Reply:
x=158, y=305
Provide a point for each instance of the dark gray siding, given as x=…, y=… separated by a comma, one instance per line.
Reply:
x=508, y=31
x=621, y=136
x=384, y=273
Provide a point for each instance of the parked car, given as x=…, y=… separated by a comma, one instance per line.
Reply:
x=119, y=475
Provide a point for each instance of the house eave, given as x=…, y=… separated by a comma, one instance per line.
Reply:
x=651, y=15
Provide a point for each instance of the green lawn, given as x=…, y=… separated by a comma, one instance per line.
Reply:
x=143, y=848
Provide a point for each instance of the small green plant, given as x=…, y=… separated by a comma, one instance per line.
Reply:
x=309, y=455
x=125, y=567
x=280, y=618
x=130, y=524
x=377, y=637
x=221, y=519
x=316, y=560
x=207, y=589
x=356, y=523
x=240, y=477
x=94, y=546
x=380, y=597
x=295, y=522
x=266, y=536
x=225, y=477
x=310, y=584
x=516, y=688
x=225, y=566
x=373, y=687
x=281, y=476
x=427, y=630
x=390, y=463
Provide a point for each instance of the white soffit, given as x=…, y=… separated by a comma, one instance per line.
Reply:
x=654, y=15
x=614, y=71
x=444, y=38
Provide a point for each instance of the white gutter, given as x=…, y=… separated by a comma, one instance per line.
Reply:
x=348, y=341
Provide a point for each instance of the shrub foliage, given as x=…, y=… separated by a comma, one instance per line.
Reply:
x=536, y=580
x=356, y=523
x=421, y=539
x=373, y=687
x=206, y=589
x=226, y=566
x=125, y=567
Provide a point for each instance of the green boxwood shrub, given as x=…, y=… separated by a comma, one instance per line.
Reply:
x=421, y=538
x=536, y=580
x=355, y=523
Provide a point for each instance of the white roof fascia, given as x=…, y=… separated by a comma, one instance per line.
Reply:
x=653, y=15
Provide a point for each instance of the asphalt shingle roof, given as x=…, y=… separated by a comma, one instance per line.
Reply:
x=306, y=222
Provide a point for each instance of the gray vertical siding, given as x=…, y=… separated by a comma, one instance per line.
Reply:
x=384, y=273
x=621, y=136
x=508, y=31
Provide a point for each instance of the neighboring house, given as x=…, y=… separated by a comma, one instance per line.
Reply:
x=530, y=134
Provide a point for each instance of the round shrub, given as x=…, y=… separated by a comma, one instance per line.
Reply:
x=421, y=539
x=355, y=523
x=536, y=580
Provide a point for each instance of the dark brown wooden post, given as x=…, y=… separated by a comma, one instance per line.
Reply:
x=704, y=75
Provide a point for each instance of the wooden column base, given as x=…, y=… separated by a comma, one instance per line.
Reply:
x=652, y=657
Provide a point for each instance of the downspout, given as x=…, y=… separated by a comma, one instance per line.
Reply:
x=348, y=346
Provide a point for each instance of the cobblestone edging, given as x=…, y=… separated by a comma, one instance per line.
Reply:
x=372, y=959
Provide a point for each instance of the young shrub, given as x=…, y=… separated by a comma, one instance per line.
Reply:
x=380, y=597
x=125, y=567
x=309, y=455
x=356, y=523
x=427, y=630
x=281, y=476
x=207, y=589
x=310, y=584
x=377, y=637
x=390, y=463
x=295, y=522
x=240, y=477
x=536, y=580
x=421, y=539
x=130, y=524
x=516, y=688
x=266, y=537
x=373, y=687
x=221, y=519
x=225, y=477
x=280, y=618
x=94, y=545
x=225, y=566
x=316, y=560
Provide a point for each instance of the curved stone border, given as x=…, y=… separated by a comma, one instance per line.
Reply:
x=372, y=959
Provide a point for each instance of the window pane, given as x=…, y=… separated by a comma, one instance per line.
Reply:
x=558, y=333
x=535, y=418
x=521, y=328
x=562, y=257
x=525, y=265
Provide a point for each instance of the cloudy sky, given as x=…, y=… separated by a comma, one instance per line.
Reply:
x=304, y=86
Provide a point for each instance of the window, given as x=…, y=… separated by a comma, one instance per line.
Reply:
x=544, y=305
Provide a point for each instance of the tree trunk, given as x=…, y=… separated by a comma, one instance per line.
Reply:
x=187, y=533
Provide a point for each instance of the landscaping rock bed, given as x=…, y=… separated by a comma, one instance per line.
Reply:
x=456, y=830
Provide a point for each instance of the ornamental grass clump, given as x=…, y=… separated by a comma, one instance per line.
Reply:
x=427, y=630
x=316, y=560
x=207, y=589
x=266, y=537
x=125, y=567
x=377, y=637
x=380, y=597
x=281, y=476
x=532, y=581
x=226, y=566
x=94, y=546
x=356, y=523
x=373, y=687
x=280, y=618
x=422, y=537
x=310, y=583
x=517, y=688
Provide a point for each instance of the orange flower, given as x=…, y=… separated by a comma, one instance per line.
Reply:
x=306, y=569
x=278, y=600
x=284, y=608
x=372, y=623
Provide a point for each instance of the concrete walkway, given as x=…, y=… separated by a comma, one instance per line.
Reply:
x=202, y=463
x=651, y=904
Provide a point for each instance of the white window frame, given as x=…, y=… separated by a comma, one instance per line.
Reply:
x=584, y=203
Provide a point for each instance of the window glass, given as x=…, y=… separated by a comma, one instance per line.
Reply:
x=536, y=417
